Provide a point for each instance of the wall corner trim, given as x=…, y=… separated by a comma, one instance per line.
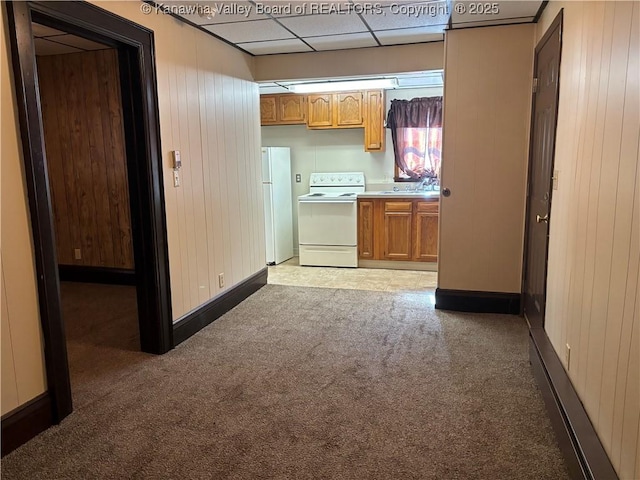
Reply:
x=197, y=319
x=577, y=439
x=25, y=422
x=478, y=302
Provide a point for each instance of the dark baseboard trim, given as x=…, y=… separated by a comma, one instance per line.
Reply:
x=199, y=318
x=25, y=422
x=477, y=302
x=85, y=274
x=578, y=441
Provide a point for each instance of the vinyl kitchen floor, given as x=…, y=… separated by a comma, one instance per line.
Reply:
x=291, y=273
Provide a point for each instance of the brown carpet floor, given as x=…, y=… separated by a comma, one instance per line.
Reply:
x=311, y=383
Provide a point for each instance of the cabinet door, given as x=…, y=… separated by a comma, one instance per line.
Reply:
x=320, y=111
x=426, y=232
x=291, y=109
x=349, y=109
x=397, y=230
x=374, y=131
x=268, y=109
x=365, y=229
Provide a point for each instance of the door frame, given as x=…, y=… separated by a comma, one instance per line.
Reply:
x=557, y=23
x=136, y=57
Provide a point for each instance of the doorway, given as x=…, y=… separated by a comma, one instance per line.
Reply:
x=81, y=107
x=135, y=57
x=541, y=156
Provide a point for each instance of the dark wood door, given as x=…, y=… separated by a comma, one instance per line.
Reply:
x=545, y=109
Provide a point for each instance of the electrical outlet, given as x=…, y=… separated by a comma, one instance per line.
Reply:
x=567, y=355
x=298, y=178
x=221, y=280
x=77, y=254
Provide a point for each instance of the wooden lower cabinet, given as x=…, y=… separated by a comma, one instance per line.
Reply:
x=365, y=229
x=398, y=229
x=425, y=228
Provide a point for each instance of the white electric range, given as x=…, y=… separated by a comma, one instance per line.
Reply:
x=328, y=219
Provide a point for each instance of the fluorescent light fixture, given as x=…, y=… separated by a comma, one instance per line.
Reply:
x=330, y=86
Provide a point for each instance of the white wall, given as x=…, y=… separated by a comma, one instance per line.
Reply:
x=593, y=302
x=337, y=151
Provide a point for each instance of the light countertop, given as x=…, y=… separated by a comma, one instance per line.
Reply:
x=401, y=194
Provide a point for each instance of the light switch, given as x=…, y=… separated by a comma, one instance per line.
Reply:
x=176, y=178
x=177, y=162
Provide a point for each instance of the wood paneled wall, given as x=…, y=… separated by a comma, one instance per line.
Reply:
x=593, y=303
x=209, y=111
x=84, y=140
x=487, y=104
x=23, y=372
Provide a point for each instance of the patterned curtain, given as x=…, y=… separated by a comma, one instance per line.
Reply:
x=416, y=130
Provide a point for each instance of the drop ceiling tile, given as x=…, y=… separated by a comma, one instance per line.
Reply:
x=211, y=13
x=79, y=42
x=255, y=31
x=280, y=8
x=42, y=31
x=340, y=42
x=410, y=35
x=504, y=10
x=292, y=45
x=488, y=23
x=46, y=47
x=408, y=15
x=320, y=25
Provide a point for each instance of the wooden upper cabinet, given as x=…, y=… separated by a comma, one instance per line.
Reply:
x=349, y=109
x=374, y=131
x=291, y=109
x=268, y=109
x=285, y=109
x=330, y=110
x=320, y=110
x=425, y=229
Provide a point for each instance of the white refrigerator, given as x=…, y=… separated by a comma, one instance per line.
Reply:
x=278, y=212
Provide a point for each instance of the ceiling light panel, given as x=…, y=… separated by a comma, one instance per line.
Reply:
x=340, y=42
x=256, y=31
x=276, y=46
x=375, y=83
x=321, y=25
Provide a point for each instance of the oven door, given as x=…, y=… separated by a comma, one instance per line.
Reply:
x=327, y=222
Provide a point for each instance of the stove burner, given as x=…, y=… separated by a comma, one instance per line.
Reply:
x=316, y=194
x=347, y=195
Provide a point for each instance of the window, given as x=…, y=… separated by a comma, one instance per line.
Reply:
x=416, y=130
